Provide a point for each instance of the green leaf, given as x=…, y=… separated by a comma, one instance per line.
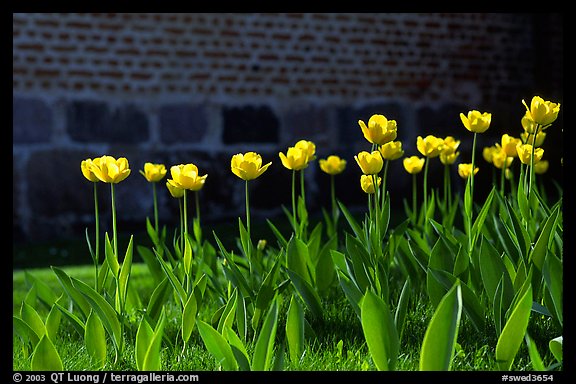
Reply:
x=281, y=239
x=537, y=363
x=111, y=258
x=471, y=304
x=152, y=360
x=159, y=297
x=23, y=330
x=440, y=338
x=187, y=256
x=491, y=268
x=53, y=322
x=95, y=340
x=76, y=297
x=143, y=341
x=540, y=249
x=174, y=281
x=263, y=349
x=45, y=356
x=325, y=272
x=217, y=345
x=76, y=322
x=43, y=291
x=379, y=331
x=124, y=274
x=151, y=262
x=552, y=273
x=297, y=259
x=308, y=293
x=295, y=329
x=33, y=319
x=227, y=317
x=238, y=349
x=356, y=228
x=513, y=332
x=402, y=308
x=555, y=346
x=479, y=222
x=353, y=294
x=189, y=318
x=104, y=310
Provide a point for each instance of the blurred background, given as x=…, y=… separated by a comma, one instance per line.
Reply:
x=177, y=88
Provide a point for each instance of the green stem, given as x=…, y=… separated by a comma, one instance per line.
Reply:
x=197, y=203
x=376, y=204
x=294, y=219
x=532, y=160
x=181, y=207
x=114, y=231
x=155, y=207
x=185, y=197
x=384, y=177
x=97, y=218
x=333, y=200
x=424, y=194
x=249, y=250
x=414, y=193
x=503, y=178
x=471, y=207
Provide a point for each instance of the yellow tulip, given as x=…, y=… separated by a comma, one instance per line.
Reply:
x=367, y=183
x=430, y=146
x=509, y=144
x=186, y=176
x=295, y=158
x=392, y=150
x=153, y=172
x=450, y=144
x=525, y=151
x=308, y=147
x=379, y=130
x=528, y=124
x=542, y=112
x=369, y=163
x=541, y=166
x=487, y=153
x=448, y=156
x=110, y=170
x=413, y=164
x=527, y=138
x=86, y=167
x=174, y=189
x=475, y=121
x=500, y=157
x=465, y=169
x=332, y=165
x=248, y=166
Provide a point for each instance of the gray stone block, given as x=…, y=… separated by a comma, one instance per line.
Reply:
x=32, y=121
x=183, y=123
x=250, y=124
x=98, y=122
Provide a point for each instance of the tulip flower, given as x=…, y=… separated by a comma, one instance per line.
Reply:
x=153, y=174
x=541, y=167
x=475, y=121
x=308, y=147
x=296, y=158
x=86, y=168
x=526, y=153
x=333, y=165
x=176, y=191
x=367, y=183
x=465, y=170
x=528, y=138
x=186, y=176
x=379, y=130
x=542, y=112
x=413, y=165
x=248, y=166
x=392, y=150
x=110, y=170
x=509, y=144
x=430, y=146
x=369, y=162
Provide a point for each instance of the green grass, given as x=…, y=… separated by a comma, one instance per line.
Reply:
x=336, y=345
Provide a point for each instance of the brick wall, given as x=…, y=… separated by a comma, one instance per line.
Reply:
x=183, y=87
